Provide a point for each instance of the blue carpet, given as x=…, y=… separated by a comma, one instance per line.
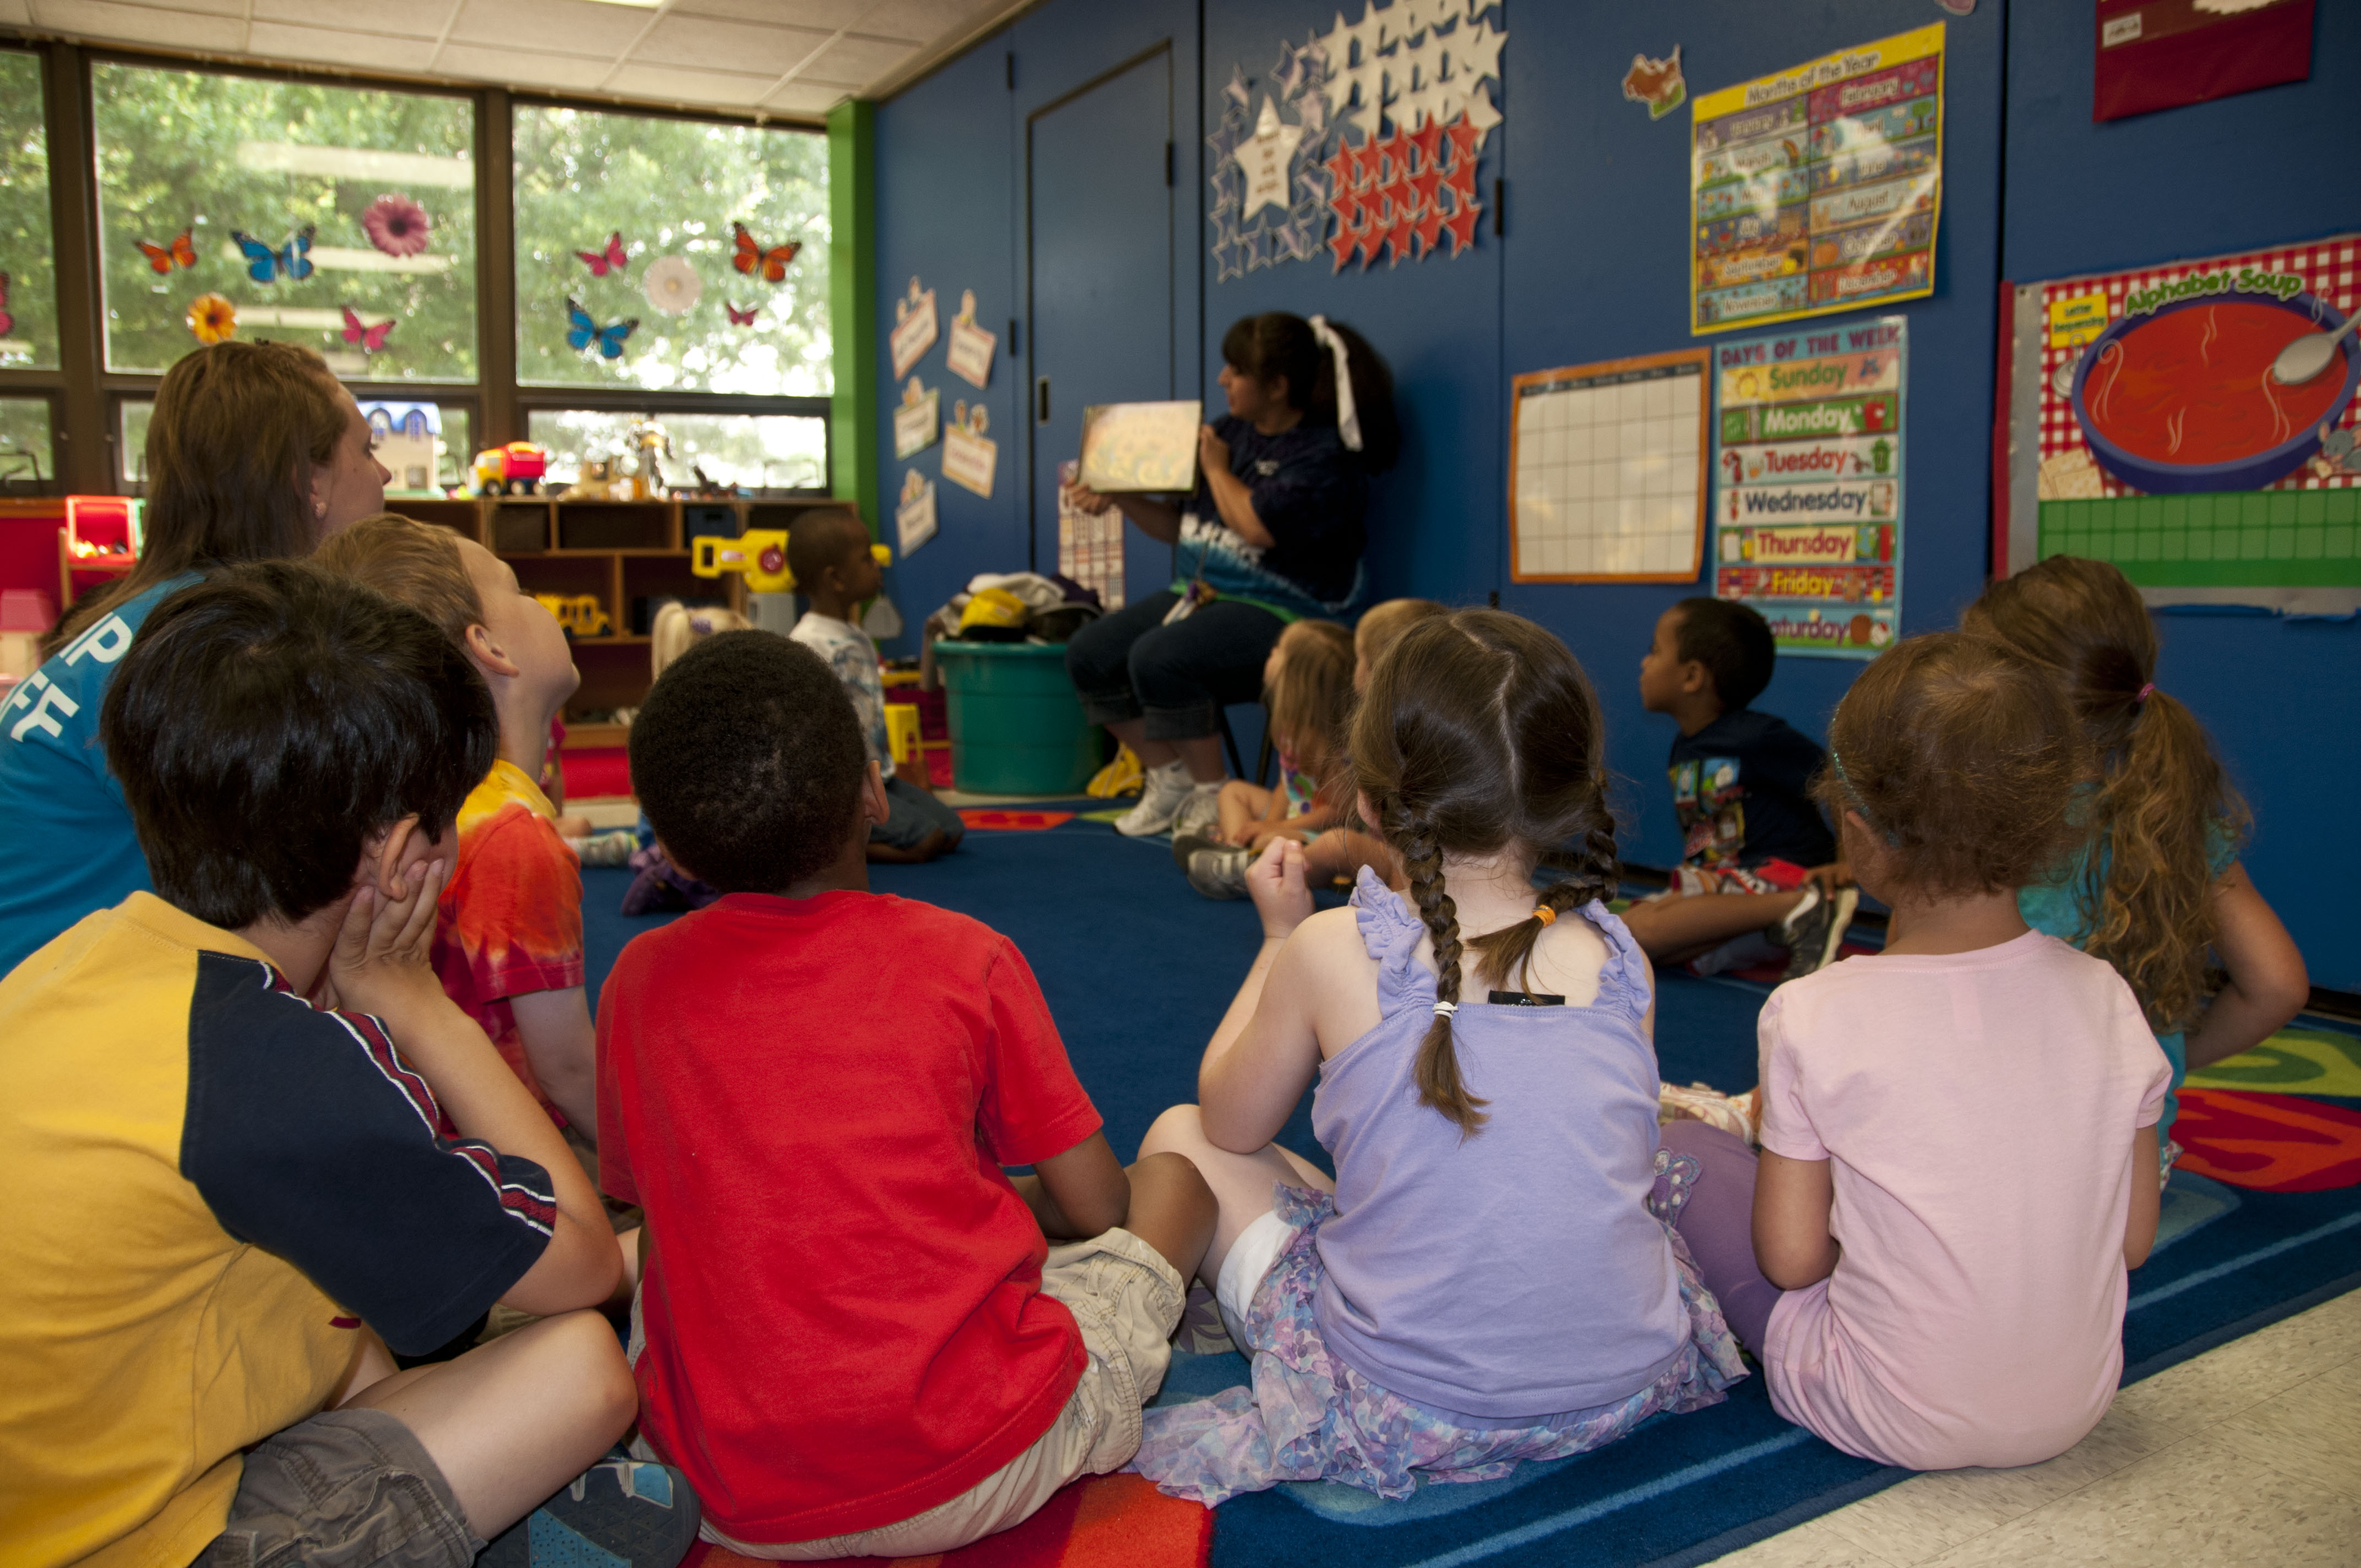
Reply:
x=1138, y=970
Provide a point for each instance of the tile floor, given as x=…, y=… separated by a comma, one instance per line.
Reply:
x=2250, y=1453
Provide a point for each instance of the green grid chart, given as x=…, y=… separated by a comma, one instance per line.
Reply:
x=2255, y=539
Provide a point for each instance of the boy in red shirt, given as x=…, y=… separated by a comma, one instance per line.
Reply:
x=851, y=1329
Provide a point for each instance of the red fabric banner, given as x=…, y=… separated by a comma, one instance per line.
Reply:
x=2161, y=54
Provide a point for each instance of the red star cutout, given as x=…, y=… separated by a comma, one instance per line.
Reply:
x=1369, y=160
x=1428, y=139
x=1344, y=168
x=1398, y=149
x=1424, y=186
x=1347, y=209
x=1398, y=237
x=1461, y=182
x=1403, y=200
x=1429, y=228
x=1370, y=235
x=1461, y=227
x=1463, y=139
x=1342, y=242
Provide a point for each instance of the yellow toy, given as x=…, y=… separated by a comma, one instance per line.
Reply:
x=761, y=554
x=581, y=614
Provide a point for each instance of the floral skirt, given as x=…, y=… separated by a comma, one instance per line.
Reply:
x=1310, y=1416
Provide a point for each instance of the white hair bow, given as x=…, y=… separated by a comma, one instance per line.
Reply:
x=1348, y=420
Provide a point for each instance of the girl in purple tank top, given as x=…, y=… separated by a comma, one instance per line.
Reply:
x=1493, y=1275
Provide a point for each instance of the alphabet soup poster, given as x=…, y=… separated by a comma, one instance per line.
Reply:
x=1808, y=483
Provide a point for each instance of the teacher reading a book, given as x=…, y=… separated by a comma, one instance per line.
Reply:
x=1274, y=534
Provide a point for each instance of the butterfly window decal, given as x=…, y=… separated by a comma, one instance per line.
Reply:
x=265, y=265
x=582, y=331
x=371, y=338
x=610, y=259
x=739, y=317
x=164, y=257
x=753, y=258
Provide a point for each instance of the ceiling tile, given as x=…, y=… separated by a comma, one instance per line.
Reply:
x=359, y=51
x=668, y=85
x=416, y=19
x=823, y=15
x=805, y=98
x=532, y=25
x=536, y=69
x=140, y=24
x=924, y=21
x=857, y=59
x=707, y=45
x=18, y=11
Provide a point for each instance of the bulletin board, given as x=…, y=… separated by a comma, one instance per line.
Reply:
x=1809, y=483
x=2144, y=428
x=1607, y=479
x=1816, y=189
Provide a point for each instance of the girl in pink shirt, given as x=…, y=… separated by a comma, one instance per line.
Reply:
x=1958, y=1133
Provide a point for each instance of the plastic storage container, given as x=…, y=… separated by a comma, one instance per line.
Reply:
x=1016, y=726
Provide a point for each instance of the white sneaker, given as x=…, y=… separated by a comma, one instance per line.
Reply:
x=1162, y=793
x=1200, y=811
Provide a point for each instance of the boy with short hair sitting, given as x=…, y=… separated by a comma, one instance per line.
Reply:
x=228, y=1202
x=851, y=1331
x=508, y=941
x=827, y=551
x=1757, y=879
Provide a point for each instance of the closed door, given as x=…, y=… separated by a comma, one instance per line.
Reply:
x=1099, y=226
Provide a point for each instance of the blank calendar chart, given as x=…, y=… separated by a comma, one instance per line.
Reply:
x=1808, y=483
x=1607, y=471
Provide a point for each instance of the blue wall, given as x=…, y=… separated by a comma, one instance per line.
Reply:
x=1593, y=266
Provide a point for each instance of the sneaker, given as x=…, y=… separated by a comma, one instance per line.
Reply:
x=1815, y=928
x=1162, y=793
x=622, y=1512
x=1187, y=844
x=607, y=849
x=1200, y=811
x=1220, y=872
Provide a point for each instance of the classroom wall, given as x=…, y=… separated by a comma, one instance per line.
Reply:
x=1593, y=266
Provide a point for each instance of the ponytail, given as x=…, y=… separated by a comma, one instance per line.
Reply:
x=1440, y=1086
x=1279, y=344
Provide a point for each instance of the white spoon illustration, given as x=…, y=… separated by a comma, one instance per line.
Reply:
x=2307, y=355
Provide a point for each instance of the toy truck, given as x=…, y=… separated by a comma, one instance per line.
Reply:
x=515, y=470
x=761, y=554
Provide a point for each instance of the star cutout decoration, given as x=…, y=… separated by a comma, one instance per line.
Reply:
x=1266, y=159
x=1466, y=141
x=1429, y=229
x=1398, y=237
x=1461, y=226
x=1236, y=91
x=1428, y=139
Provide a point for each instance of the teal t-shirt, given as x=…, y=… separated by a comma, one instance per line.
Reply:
x=71, y=845
x=2055, y=909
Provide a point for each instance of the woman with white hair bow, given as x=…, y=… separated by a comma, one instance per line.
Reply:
x=1274, y=534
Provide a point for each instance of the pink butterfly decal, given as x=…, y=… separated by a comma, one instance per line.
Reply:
x=8, y=322
x=739, y=317
x=611, y=260
x=371, y=338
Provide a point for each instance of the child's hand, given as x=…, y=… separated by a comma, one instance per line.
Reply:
x=1832, y=876
x=380, y=961
x=1275, y=883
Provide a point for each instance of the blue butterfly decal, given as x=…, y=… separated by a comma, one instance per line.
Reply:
x=582, y=332
x=265, y=265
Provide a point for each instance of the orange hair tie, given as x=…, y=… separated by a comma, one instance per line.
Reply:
x=1545, y=914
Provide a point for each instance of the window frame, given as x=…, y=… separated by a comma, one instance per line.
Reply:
x=87, y=398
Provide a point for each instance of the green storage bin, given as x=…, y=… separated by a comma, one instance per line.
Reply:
x=1016, y=726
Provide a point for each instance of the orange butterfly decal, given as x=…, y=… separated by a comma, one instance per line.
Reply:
x=751, y=256
x=162, y=257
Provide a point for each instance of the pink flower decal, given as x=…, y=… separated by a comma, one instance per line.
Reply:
x=397, y=225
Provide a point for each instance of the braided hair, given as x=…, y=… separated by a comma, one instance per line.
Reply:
x=1480, y=732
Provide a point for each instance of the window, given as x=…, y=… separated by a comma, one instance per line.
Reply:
x=29, y=301
x=25, y=461
x=755, y=452
x=670, y=190
x=382, y=183
x=453, y=450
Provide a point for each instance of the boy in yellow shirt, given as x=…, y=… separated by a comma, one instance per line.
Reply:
x=230, y=1200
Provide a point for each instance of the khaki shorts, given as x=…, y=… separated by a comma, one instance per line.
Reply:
x=1126, y=1300
x=346, y=1488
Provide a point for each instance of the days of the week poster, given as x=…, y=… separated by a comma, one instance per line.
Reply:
x=1817, y=190
x=1808, y=482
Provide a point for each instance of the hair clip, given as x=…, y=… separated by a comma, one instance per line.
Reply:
x=1446, y=1009
x=2144, y=692
x=1545, y=914
x=1853, y=797
x=701, y=624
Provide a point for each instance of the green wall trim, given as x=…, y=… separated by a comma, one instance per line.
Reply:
x=852, y=307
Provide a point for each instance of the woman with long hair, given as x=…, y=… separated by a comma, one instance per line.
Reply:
x=1274, y=533
x=253, y=452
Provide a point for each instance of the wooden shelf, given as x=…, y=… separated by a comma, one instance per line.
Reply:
x=588, y=736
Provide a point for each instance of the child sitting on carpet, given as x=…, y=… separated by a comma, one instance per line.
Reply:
x=507, y=938
x=852, y=1332
x=827, y=551
x=1437, y=1309
x=657, y=885
x=1379, y=627
x=1754, y=883
x=1308, y=694
x=2158, y=887
x=1974, y=1108
x=230, y=1201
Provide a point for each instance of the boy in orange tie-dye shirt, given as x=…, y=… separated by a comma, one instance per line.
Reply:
x=507, y=944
